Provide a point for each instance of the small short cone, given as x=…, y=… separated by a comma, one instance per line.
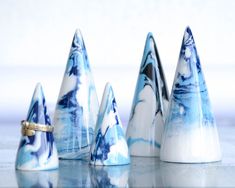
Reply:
x=77, y=106
x=109, y=146
x=190, y=134
x=37, y=152
x=149, y=105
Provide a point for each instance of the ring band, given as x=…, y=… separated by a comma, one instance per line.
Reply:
x=29, y=128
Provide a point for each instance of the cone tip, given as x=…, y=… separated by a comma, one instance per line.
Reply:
x=108, y=85
x=38, y=91
x=150, y=35
x=188, y=31
x=38, y=86
x=78, y=32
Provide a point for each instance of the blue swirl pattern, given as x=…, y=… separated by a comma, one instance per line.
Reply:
x=149, y=104
x=37, y=152
x=109, y=146
x=190, y=130
x=77, y=105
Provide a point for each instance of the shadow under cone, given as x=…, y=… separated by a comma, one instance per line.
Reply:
x=77, y=106
x=150, y=101
x=190, y=134
x=109, y=146
x=37, y=152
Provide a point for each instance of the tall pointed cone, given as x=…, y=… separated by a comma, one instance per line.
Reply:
x=109, y=146
x=37, y=151
x=150, y=101
x=77, y=106
x=190, y=134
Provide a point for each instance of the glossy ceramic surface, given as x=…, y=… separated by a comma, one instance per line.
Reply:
x=190, y=134
x=77, y=106
x=37, y=152
x=109, y=146
x=145, y=127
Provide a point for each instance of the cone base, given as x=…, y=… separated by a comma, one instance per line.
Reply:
x=99, y=163
x=142, y=149
x=82, y=154
x=198, y=145
x=37, y=169
x=50, y=166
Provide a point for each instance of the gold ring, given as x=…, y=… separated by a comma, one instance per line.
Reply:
x=29, y=128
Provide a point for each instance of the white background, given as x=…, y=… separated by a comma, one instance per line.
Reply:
x=35, y=38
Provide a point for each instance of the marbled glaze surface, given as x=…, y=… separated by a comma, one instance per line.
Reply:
x=77, y=105
x=37, y=152
x=109, y=146
x=149, y=105
x=142, y=172
x=190, y=133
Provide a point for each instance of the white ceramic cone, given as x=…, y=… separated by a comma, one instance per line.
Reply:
x=190, y=134
x=77, y=106
x=37, y=152
x=109, y=146
x=145, y=127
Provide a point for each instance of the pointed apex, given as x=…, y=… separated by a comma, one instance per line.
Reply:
x=38, y=92
x=150, y=35
x=109, y=147
x=188, y=37
x=108, y=90
x=78, y=33
x=38, y=86
x=188, y=30
x=108, y=87
x=77, y=43
x=150, y=43
x=38, y=111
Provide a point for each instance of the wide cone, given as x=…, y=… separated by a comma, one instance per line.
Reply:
x=77, y=106
x=190, y=134
x=145, y=127
x=38, y=151
x=109, y=146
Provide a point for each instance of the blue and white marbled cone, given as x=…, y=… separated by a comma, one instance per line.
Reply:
x=109, y=146
x=149, y=105
x=190, y=134
x=77, y=106
x=37, y=152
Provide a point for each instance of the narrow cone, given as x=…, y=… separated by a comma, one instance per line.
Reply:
x=37, y=151
x=77, y=106
x=190, y=134
x=149, y=105
x=109, y=146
